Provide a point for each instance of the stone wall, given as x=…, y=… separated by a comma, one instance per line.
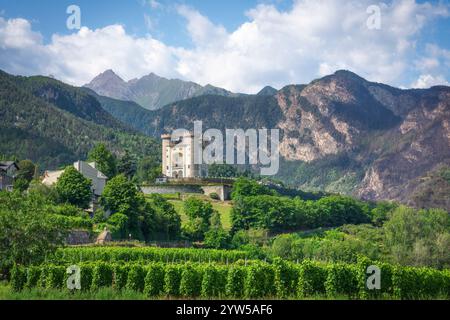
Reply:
x=171, y=189
x=77, y=237
x=223, y=191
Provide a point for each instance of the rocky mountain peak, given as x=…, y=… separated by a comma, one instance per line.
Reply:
x=267, y=91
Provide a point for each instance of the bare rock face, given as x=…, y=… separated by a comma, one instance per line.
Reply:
x=421, y=143
x=109, y=84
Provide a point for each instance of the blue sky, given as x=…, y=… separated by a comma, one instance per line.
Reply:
x=49, y=16
x=241, y=45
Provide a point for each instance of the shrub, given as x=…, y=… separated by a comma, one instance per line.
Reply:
x=191, y=281
x=55, y=277
x=172, y=279
x=256, y=283
x=33, y=276
x=18, y=278
x=86, y=271
x=136, y=278
x=102, y=275
x=213, y=281
x=286, y=278
x=154, y=280
x=214, y=196
x=120, y=277
x=312, y=277
x=342, y=279
x=235, y=281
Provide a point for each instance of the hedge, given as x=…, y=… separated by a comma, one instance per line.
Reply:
x=256, y=280
x=235, y=281
x=311, y=279
x=102, y=276
x=154, y=280
x=172, y=278
x=147, y=254
x=342, y=279
x=191, y=280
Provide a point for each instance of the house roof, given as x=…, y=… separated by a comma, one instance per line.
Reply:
x=100, y=175
x=51, y=177
x=5, y=165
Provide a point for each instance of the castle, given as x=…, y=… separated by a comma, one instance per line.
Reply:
x=178, y=158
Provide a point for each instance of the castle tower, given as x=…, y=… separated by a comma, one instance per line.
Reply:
x=178, y=157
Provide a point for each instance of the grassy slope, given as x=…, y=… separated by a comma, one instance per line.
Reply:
x=224, y=208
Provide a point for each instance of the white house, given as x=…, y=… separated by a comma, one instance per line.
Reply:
x=8, y=171
x=88, y=170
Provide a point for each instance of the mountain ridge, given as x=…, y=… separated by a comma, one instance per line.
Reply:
x=150, y=91
x=344, y=133
x=340, y=133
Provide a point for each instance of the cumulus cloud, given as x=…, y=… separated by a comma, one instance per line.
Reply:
x=78, y=57
x=428, y=80
x=274, y=47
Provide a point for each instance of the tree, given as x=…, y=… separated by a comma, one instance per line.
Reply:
x=27, y=232
x=199, y=213
x=418, y=237
x=27, y=170
x=122, y=196
x=244, y=187
x=216, y=237
x=26, y=173
x=222, y=171
x=74, y=188
x=149, y=168
x=104, y=160
x=127, y=165
x=167, y=220
x=381, y=211
x=20, y=184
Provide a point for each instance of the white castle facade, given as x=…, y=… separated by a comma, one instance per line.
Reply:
x=178, y=158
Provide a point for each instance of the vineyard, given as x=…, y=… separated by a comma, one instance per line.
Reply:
x=146, y=270
x=145, y=254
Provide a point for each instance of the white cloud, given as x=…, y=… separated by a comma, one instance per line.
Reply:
x=428, y=80
x=314, y=38
x=154, y=4
x=79, y=57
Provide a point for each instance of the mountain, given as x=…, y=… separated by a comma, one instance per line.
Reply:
x=268, y=91
x=55, y=124
x=151, y=91
x=340, y=133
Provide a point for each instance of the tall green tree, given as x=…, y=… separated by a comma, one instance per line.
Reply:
x=244, y=187
x=106, y=162
x=122, y=196
x=148, y=169
x=216, y=237
x=74, y=188
x=26, y=173
x=27, y=170
x=127, y=165
x=199, y=214
x=168, y=221
x=418, y=237
x=27, y=232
